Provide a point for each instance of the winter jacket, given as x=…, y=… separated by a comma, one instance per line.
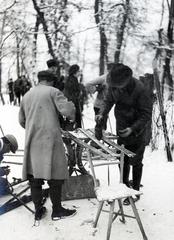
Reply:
x=72, y=89
x=133, y=108
x=44, y=155
x=98, y=85
x=72, y=92
x=17, y=86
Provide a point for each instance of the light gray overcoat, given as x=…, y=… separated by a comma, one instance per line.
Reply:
x=44, y=154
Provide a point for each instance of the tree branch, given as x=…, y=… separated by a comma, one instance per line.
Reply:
x=8, y=7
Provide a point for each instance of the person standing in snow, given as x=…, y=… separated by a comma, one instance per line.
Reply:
x=133, y=110
x=99, y=85
x=17, y=87
x=72, y=90
x=44, y=153
x=53, y=68
x=7, y=143
x=10, y=90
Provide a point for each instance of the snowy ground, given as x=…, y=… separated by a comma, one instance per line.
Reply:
x=155, y=207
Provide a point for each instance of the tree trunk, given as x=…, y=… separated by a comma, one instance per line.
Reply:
x=45, y=28
x=1, y=96
x=161, y=107
x=167, y=77
x=103, y=38
x=34, y=49
x=17, y=57
x=120, y=33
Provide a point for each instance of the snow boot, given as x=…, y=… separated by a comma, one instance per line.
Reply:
x=62, y=213
x=40, y=213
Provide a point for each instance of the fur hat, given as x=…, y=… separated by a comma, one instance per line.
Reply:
x=120, y=75
x=74, y=69
x=52, y=63
x=46, y=75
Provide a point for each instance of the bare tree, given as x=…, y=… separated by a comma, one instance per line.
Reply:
x=3, y=38
x=53, y=17
x=167, y=76
x=98, y=13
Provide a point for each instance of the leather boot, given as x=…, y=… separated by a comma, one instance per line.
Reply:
x=137, y=174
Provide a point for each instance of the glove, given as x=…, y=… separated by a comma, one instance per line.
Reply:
x=98, y=132
x=100, y=88
x=4, y=171
x=125, y=132
x=99, y=119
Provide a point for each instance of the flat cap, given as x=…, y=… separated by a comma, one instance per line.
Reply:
x=120, y=75
x=46, y=75
x=52, y=63
x=13, y=142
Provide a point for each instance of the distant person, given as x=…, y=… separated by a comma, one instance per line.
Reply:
x=7, y=143
x=53, y=68
x=26, y=85
x=17, y=87
x=83, y=98
x=44, y=156
x=58, y=82
x=133, y=112
x=72, y=92
x=99, y=85
x=10, y=90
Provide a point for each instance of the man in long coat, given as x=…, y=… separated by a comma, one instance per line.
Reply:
x=44, y=155
x=133, y=110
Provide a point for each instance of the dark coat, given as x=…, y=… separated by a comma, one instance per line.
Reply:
x=133, y=108
x=72, y=92
x=44, y=155
x=72, y=89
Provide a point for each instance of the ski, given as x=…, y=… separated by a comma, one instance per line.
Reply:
x=113, y=144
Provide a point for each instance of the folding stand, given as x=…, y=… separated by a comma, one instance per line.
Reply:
x=109, y=193
x=16, y=200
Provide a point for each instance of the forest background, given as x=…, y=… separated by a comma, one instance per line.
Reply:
x=93, y=33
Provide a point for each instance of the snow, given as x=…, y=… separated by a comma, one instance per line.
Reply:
x=155, y=206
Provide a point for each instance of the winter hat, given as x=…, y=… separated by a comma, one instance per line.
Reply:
x=52, y=63
x=120, y=75
x=46, y=75
x=74, y=69
x=110, y=65
x=12, y=140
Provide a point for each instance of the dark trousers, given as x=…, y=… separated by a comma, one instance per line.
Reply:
x=55, y=191
x=18, y=97
x=11, y=97
x=136, y=163
x=4, y=186
x=78, y=116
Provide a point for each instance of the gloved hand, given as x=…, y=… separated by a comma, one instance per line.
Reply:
x=100, y=88
x=4, y=171
x=125, y=132
x=99, y=119
x=98, y=132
